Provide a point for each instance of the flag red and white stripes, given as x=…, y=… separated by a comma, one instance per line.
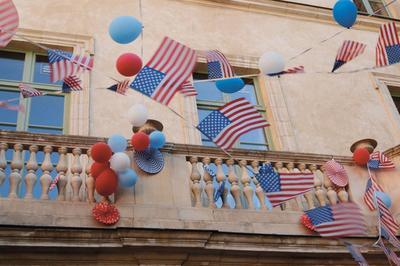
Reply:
x=54, y=182
x=9, y=21
x=390, y=254
x=73, y=82
x=291, y=185
x=294, y=70
x=350, y=50
x=188, y=89
x=224, y=70
x=372, y=187
x=28, y=91
x=388, y=37
x=384, y=162
x=386, y=217
x=244, y=118
x=8, y=106
x=122, y=86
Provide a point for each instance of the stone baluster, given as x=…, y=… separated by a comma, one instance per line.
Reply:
x=294, y=204
x=31, y=167
x=318, y=178
x=195, y=177
x=332, y=195
x=47, y=167
x=15, y=176
x=3, y=162
x=259, y=190
x=235, y=189
x=208, y=179
x=279, y=168
x=343, y=195
x=222, y=178
x=62, y=168
x=247, y=189
x=89, y=179
x=309, y=196
x=76, y=170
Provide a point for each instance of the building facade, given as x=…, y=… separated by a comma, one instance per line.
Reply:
x=170, y=218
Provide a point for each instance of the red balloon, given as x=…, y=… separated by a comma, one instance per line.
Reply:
x=97, y=168
x=361, y=156
x=129, y=64
x=140, y=141
x=101, y=152
x=106, y=183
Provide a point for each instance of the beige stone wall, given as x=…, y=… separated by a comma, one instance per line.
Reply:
x=314, y=112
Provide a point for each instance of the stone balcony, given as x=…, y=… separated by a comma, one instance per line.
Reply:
x=177, y=201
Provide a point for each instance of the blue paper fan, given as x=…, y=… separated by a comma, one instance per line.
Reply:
x=150, y=160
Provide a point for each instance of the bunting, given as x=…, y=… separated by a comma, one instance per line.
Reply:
x=218, y=66
x=9, y=21
x=28, y=91
x=121, y=87
x=347, y=52
x=388, y=46
x=378, y=160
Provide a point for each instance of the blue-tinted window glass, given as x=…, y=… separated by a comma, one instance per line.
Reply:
x=254, y=139
x=8, y=116
x=11, y=65
x=41, y=72
x=247, y=92
x=47, y=111
x=45, y=130
x=207, y=91
x=202, y=114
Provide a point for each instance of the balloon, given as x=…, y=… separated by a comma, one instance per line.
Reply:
x=117, y=143
x=231, y=85
x=125, y=29
x=127, y=178
x=101, y=152
x=138, y=115
x=140, y=141
x=97, y=168
x=106, y=183
x=157, y=139
x=345, y=13
x=271, y=63
x=120, y=162
x=361, y=156
x=384, y=197
x=128, y=64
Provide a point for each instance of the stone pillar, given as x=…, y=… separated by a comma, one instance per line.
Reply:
x=247, y=189
x=259, y=190
x=208, y=179
x=47, y=167
x=318, y=178
x=195, y=177
x=31, y=167
x=235, y=189
x=76, y=170
x=3, y=162
x=222, y=178
x=332, y=196
x=62, y=168
x=89, y=179
x=15, y=176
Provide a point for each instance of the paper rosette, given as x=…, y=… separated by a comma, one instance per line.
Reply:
x=150, y=161
x=305, y=220
x=336, y=173
x=105, y=213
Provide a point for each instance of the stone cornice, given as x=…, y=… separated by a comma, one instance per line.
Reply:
x=291, y=10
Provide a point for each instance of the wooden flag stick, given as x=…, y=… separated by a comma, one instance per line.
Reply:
x=243, y=76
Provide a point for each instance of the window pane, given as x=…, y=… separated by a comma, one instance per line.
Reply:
x=360, y=6
x=47, y=111
x=45, y=130
x=207, y=91
x=11, y=65
x=247, y=92
x=42, y=70
x=8, y=116
x=254, y=139
x=202, y=114
x=377, y=5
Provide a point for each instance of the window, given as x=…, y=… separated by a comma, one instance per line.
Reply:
x=395, y=93
x=372, y=7
x=209, y=98
x=44, y=114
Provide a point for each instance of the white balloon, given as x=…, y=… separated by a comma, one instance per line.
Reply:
x=271, y=63
x=120, y=162
x=138, y=115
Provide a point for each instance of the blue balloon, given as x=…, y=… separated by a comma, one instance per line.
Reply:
x=230, y=85
x=127, y=178
x=117, y=143
x=125, y=29
x=157, y=139
x=384, y=197
x=345, y=13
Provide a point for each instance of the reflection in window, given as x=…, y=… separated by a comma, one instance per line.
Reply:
x=372, y=7
x=8, y=118
x=11, y=65
x=42, y=70
x=47, y=114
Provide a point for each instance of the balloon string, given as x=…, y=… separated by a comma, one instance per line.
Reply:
x=142, y=33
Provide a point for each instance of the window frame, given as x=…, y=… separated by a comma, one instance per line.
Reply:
x=22, y=123
x=370, y=11
x=214, y=105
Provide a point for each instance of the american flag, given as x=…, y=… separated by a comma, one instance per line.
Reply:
x=356, y=254
x=347, y=52
x=27, y=91
x=292, y=70
x=167, y=70
x=71, y=83
x=339, y=220
x=187, y=89
x=54, y=182
x=372, y=187
x=64, y=64
x=389, y=253
x=378, y=160
x=218, y=66
x=283, y=187
x=386, y=217
x=388, y=46
x=6, y=105
x=389, y=236
x=225, y=125
x=9, y=21
x=121, y=87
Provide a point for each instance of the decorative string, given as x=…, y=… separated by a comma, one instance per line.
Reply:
x=142, y=33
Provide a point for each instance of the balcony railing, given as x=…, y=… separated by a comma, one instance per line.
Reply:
x=179, y=197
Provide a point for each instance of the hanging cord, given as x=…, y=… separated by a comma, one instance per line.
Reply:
x=337, y=33
x=142, y=33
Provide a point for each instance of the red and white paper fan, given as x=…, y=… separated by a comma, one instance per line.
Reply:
x=336, y=173
x=105, y=213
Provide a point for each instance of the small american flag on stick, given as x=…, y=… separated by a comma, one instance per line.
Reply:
x=188, y=89
x=392, y=257
x=388, y=46
x=369, y=196
x=71, y=83
x=347, y=52
x=386, y=217
x=218, y=66
x=28, y=91
x=9, y=21
x=121, y=87
x=389, y=236
x=378, y=160
x=54, y=182
x=225, y=125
